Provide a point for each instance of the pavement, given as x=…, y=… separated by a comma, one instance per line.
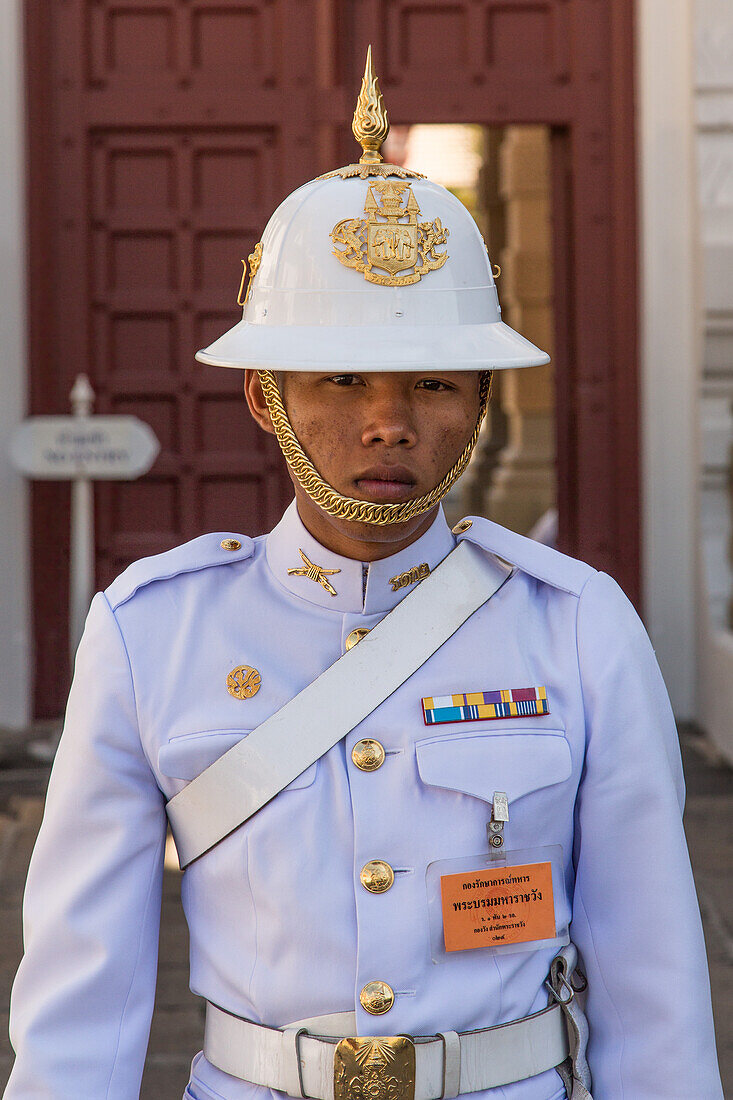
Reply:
x=178, y=1019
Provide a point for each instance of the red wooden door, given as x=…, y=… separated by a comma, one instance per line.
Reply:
x=567, y=64
x=161, y=137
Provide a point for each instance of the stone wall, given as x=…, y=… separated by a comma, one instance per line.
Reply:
x=714, y=108
x=714, y=123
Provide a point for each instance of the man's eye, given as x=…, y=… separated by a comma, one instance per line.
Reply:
x=344, y=379
x=433, y=384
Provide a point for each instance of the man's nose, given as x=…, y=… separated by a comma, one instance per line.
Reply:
x=390, y=422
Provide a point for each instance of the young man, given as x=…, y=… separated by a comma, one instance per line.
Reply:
x=413, y=774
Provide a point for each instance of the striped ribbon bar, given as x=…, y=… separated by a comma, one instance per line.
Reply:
x=477, y=705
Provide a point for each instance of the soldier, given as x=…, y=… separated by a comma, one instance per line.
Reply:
x=414, y=776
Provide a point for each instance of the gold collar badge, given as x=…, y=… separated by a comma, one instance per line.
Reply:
x=410, y=576
x=314, y=573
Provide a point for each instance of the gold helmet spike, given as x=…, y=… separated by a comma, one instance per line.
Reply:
x=371, y=125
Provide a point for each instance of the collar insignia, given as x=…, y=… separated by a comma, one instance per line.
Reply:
x=410, y=576
x=483, y=705
x=314, y=573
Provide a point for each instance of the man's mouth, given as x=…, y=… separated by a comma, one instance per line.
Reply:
x=391, y=484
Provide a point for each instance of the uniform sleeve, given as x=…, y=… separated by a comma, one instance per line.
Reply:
x=83, y=996
x=635, y=917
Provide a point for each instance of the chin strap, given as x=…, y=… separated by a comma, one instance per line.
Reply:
x=333, y=502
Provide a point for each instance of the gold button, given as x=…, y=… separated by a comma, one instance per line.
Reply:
x=377, y=998
x=462, y=526
x=356, y=636
x=231, y=544
x=368, y=755
x=376, y=876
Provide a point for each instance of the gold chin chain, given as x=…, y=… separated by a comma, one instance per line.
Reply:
x=359, y=511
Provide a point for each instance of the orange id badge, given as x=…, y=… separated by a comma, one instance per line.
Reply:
x=508, y=903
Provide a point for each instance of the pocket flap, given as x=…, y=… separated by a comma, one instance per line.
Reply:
x=186, y=756
x=481, y=763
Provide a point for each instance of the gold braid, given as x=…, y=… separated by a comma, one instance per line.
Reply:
x=360, y=511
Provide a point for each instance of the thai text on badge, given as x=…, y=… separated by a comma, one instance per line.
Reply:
x=495, y=907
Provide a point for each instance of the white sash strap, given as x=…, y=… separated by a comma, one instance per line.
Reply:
x=240, y=782
x=468, y=1062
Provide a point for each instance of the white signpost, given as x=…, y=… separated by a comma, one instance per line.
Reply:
x=83, y=448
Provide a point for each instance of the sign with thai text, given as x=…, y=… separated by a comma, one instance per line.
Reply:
x=103, y=448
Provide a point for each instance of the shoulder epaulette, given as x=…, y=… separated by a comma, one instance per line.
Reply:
x=534, y=558
x=207, y=550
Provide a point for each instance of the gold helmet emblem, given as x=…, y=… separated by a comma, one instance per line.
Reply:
x=390, y=238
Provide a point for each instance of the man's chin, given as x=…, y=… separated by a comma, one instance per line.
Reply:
x=376, y=533
x=319, y=522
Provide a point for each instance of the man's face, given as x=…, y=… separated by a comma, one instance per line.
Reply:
x=384, y=438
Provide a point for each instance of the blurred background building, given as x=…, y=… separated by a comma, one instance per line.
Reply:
x=145, y=145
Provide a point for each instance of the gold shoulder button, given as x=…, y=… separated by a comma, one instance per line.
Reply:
x=231, y=544
x=462, y=526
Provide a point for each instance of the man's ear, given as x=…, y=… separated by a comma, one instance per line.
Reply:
x=256, y=401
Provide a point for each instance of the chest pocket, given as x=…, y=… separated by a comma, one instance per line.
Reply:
x=186, y=756
x=480, y=763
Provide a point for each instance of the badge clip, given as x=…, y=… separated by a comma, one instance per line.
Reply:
x=498, y=901
x=495, y=827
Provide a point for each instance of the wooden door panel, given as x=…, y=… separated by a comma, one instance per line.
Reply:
x=567, y=64
x=161, y=138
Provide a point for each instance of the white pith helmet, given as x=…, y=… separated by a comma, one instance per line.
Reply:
x=372, y=268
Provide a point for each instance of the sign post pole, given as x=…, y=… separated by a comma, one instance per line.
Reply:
x=82, y=448
x=81, y=569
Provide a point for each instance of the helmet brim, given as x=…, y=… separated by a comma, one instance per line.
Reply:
x=491, y=346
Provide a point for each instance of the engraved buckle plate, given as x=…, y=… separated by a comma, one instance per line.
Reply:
x=374, y=1068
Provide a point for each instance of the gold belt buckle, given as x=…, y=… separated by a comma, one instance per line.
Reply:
x=378, y=1067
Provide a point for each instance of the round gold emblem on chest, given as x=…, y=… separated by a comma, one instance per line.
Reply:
x=243, y=682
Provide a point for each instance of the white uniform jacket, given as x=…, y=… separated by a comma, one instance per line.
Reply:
x=281, y=927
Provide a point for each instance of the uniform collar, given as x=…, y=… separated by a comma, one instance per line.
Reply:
x=366, y=588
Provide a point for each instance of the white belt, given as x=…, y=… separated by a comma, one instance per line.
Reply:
x=294, y=1061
